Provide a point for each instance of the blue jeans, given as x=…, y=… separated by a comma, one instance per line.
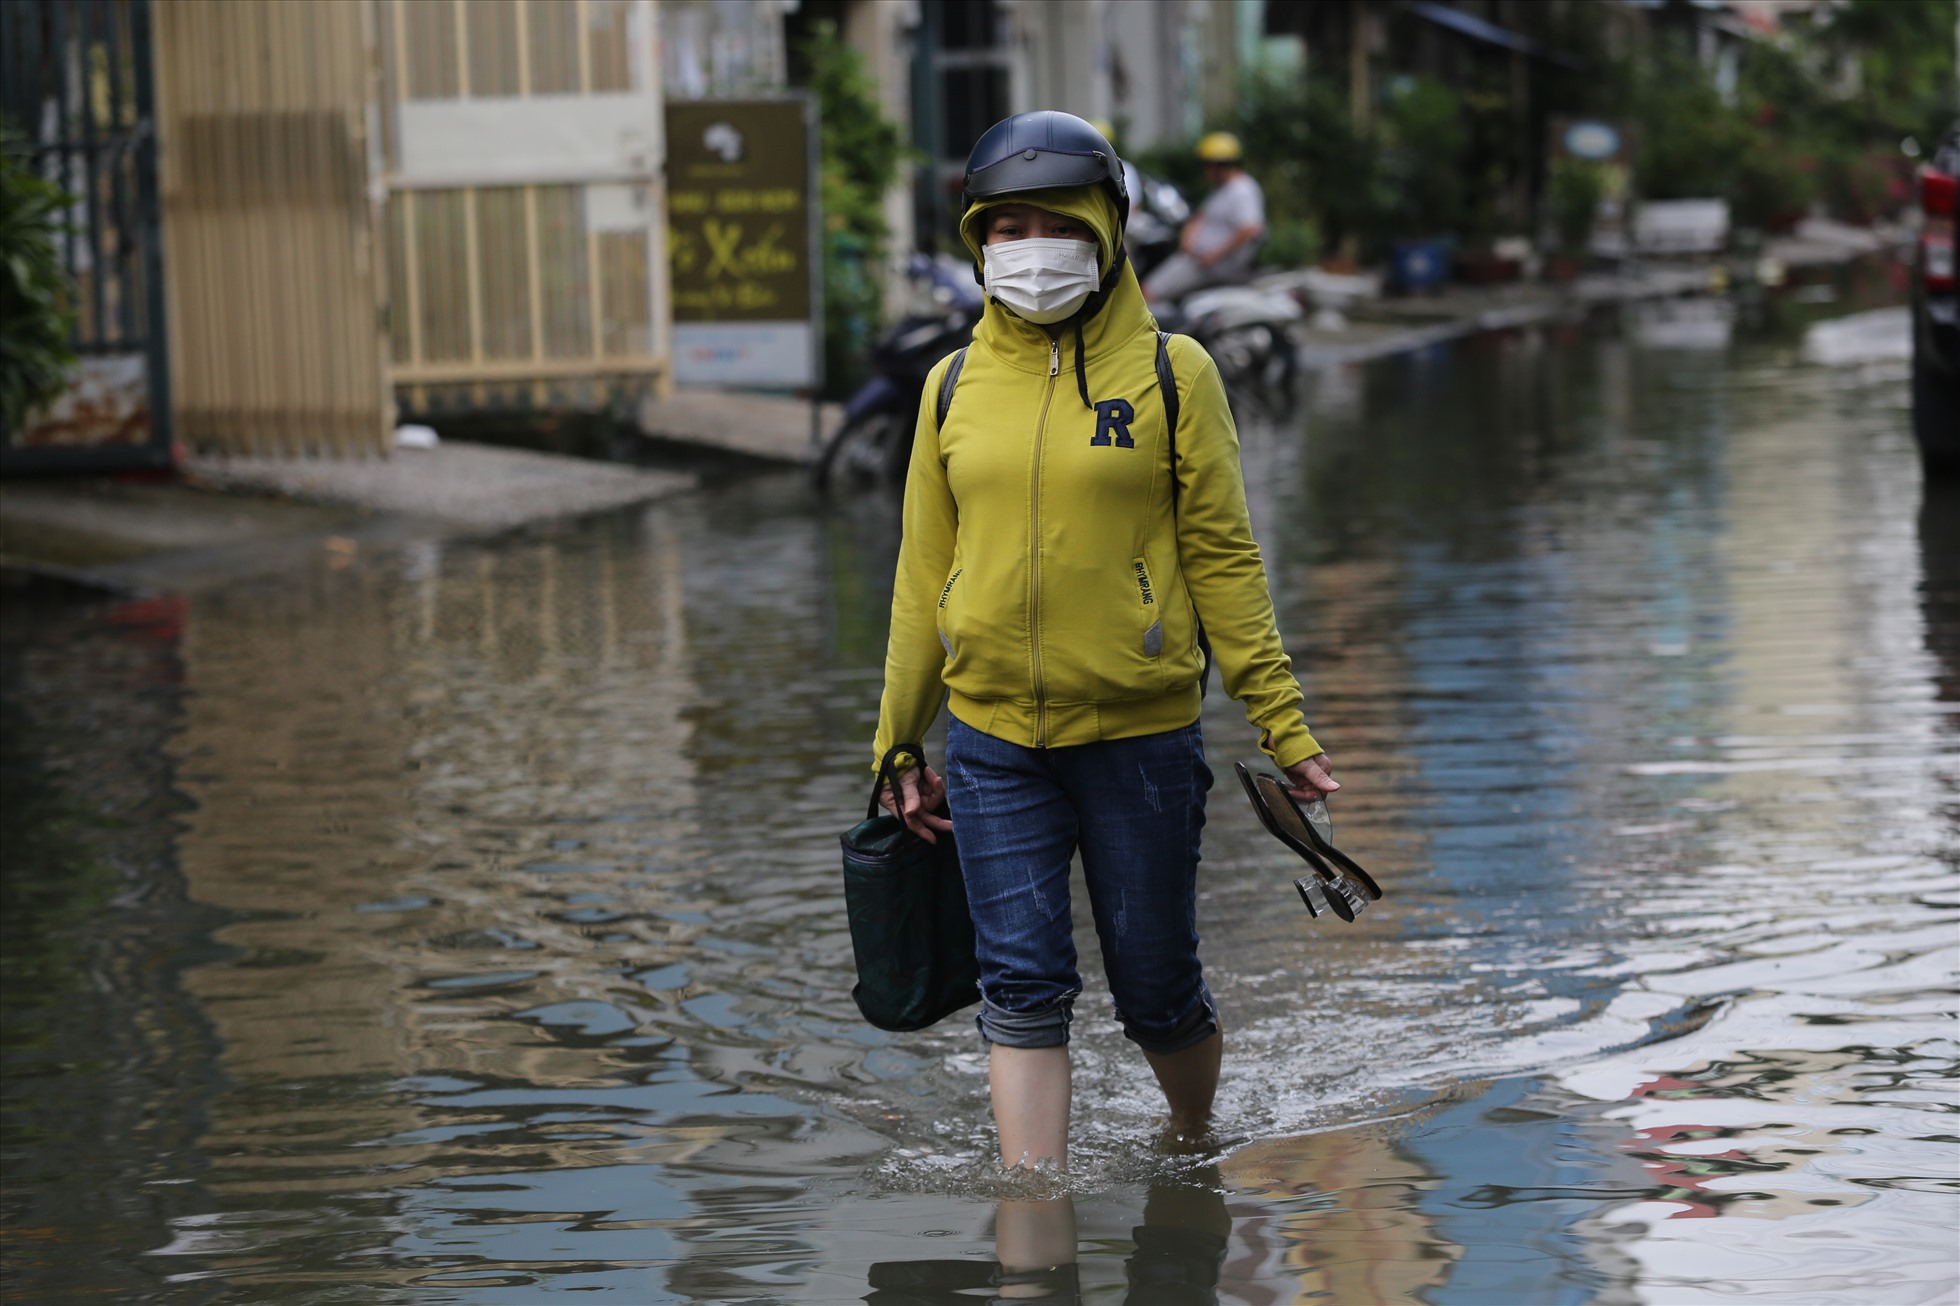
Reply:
x=1135, y=808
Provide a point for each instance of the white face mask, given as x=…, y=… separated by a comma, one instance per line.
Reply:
x=1042, y=280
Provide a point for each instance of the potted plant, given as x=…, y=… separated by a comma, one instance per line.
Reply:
x=1573, y=192
x=1424, y=141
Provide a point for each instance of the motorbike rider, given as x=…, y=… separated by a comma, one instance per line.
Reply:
x=1222, y=238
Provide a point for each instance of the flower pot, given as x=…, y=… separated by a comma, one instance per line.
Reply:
x=1563, y=267
x=1486, y=268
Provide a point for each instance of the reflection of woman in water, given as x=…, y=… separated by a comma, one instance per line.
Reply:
x=1062, y=547
x=1179, y=1249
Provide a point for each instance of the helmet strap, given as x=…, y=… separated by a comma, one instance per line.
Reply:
x=1090, y=307
x=1093, y=304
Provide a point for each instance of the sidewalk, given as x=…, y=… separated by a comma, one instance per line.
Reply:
x=1377, y=327
x=226, y=518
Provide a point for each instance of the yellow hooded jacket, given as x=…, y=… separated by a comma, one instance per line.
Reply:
x=1046, y=579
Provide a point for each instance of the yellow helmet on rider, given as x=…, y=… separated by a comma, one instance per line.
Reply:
x=1221, y=147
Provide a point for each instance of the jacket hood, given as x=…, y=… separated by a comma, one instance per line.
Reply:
x=1119, y=311
x=1090, y=204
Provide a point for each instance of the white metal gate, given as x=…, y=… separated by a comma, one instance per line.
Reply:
x=523, y=156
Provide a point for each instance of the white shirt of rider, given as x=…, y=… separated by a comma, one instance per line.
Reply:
x=1236, y=205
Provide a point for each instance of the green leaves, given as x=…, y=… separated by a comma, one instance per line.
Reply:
x=861, y=153
x=1573, y=191
x=36, y=316
x=1817, y=111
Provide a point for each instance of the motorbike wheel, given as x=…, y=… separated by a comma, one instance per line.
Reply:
x=865, y=450
x=1255, y=361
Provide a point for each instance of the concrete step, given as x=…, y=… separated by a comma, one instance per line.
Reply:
x=474, y=485
x=773, y=428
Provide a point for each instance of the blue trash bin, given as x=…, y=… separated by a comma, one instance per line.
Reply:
x=1418, y=267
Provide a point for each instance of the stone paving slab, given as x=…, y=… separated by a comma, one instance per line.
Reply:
x=470, y=484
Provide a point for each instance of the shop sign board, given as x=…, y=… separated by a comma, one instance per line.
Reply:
x=743, y=243
x=1607, y=147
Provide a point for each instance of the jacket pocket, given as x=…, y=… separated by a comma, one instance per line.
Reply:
x=1152, y=611
x=947, y=610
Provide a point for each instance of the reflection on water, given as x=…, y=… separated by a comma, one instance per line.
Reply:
x=464, y=925
x=1176, y=1254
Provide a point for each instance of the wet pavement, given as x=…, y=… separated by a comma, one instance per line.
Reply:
x=461, y=923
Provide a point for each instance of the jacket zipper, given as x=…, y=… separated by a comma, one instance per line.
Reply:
x=1034, y=551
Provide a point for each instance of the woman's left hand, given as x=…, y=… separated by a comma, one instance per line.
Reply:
x=921, y=794
x=1312, y=780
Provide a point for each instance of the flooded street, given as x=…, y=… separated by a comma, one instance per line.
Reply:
x=464, y=924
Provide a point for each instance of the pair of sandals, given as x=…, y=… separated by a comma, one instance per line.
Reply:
x=1338, y=884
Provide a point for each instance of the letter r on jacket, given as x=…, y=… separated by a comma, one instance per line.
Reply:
x=1113, y=417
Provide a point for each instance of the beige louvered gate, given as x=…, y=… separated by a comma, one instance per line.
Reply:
x=522, y=139
x=272, y=280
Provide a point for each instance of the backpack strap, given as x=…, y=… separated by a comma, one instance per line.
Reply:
x=952, y=378
x=1166, y=384
x=1167, y=388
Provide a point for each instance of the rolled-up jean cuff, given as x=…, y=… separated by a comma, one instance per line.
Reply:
x=1195, y=1028
x=1044, y=1027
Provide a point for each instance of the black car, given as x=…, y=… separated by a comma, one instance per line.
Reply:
x=1936, y=317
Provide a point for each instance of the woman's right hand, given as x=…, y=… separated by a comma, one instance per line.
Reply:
x=924, y=794
x=1312, y=780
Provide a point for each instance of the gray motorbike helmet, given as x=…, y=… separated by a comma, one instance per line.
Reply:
x=1040, y=151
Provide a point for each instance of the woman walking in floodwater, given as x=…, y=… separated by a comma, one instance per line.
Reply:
x=1071, y=540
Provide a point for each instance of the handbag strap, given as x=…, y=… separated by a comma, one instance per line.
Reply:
x=888, y=772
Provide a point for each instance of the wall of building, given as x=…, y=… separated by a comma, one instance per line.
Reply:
x=712, y=50
x=1065, y=50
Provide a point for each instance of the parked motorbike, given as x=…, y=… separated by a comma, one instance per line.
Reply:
x=874, y=441
x=1244, y=328
x=1247, y=330
x=1158, y=212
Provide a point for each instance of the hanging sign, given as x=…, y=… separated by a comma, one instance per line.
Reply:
x=742, y=240
x=1607, y=148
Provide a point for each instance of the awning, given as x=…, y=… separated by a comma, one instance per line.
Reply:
x=1478, y=29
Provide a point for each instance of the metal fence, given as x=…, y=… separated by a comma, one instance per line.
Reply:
x=75, y=93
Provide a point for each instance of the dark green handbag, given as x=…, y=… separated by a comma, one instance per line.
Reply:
x=910, y=927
